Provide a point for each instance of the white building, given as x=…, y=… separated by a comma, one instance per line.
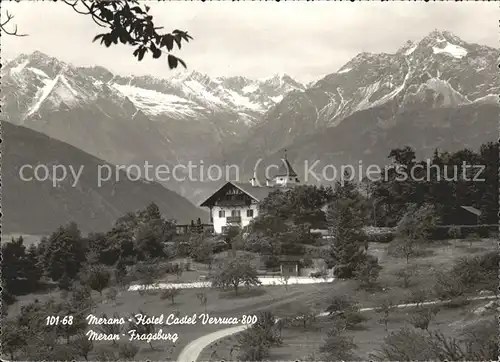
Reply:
x=236, y=203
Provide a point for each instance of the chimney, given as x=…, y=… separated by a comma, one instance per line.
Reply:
x=253, y=180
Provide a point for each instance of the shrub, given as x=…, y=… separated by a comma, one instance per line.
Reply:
x=479, y=231
x=478, y=342
x=404, y=345
x=255, y=342
x=481, y=341
x=447, y=286
x=271, y=262
x=419, y=296
x=338, y=347
x=292, y=249
x=120, y=274
x=300, y=315
x=111, y=294
x=423, y=316
x=339, y=303
x=202, y=297
x=385, y=309
x=457, y=302
x=342, y=270
x=147, y=273
x=319, y=274
x=483, y=232
x=473, y=273
x=455, y=232
x=386, y=237
x=367, y=271
x=98, y=278
x=82, y=346
x=438, y=233
x=128, y=351
x=353, y=317
x=172, y=268
x=405, y=275
x=306, y=262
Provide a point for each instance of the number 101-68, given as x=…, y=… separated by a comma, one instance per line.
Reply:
x=54, y=320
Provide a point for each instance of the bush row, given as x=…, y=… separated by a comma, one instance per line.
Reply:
x=455, y=232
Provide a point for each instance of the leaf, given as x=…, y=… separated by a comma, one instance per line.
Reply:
x=107, y=40
x=98, y=37
x=168, y=41
x=137, y=9
x=156, y=52
x=123, y=37
x=142, y=51
x=182, y=62
x=178, y=41
x=107, y=14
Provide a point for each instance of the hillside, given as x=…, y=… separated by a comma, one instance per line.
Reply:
x=34, y=207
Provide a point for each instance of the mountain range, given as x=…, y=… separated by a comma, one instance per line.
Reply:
x=439, y=92
x=130, y=120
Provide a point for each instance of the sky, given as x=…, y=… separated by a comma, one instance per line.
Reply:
x=306, y=40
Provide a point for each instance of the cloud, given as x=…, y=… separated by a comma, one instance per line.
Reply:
x=255, y=39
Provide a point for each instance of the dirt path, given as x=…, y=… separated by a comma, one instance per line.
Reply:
x=193, y=350
x=197, y=345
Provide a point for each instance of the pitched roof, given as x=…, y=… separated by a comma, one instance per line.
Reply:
x=258, y=193
x=286, y=169
x=472, y=210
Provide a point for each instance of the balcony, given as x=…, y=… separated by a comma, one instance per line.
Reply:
x=232, y=203
x=233, y=219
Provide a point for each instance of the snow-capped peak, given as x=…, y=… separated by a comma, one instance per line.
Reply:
x=344, y=70
x=48, y=83
x=454, y=50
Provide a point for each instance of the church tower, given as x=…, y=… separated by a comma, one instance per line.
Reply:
x=286, y=175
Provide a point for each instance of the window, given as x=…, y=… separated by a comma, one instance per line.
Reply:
x=222, y=213
x=250, y=213
x=235, y=213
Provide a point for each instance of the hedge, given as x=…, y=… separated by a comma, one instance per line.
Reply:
x=462, y=231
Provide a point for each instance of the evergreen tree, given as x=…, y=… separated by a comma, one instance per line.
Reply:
x=32, y=268
x=120, y=272
x=64, y=253
x=346, y=216
x=199, y=226
x=150, y=213
x=13, y=259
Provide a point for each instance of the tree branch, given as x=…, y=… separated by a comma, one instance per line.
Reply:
x=4, y=24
